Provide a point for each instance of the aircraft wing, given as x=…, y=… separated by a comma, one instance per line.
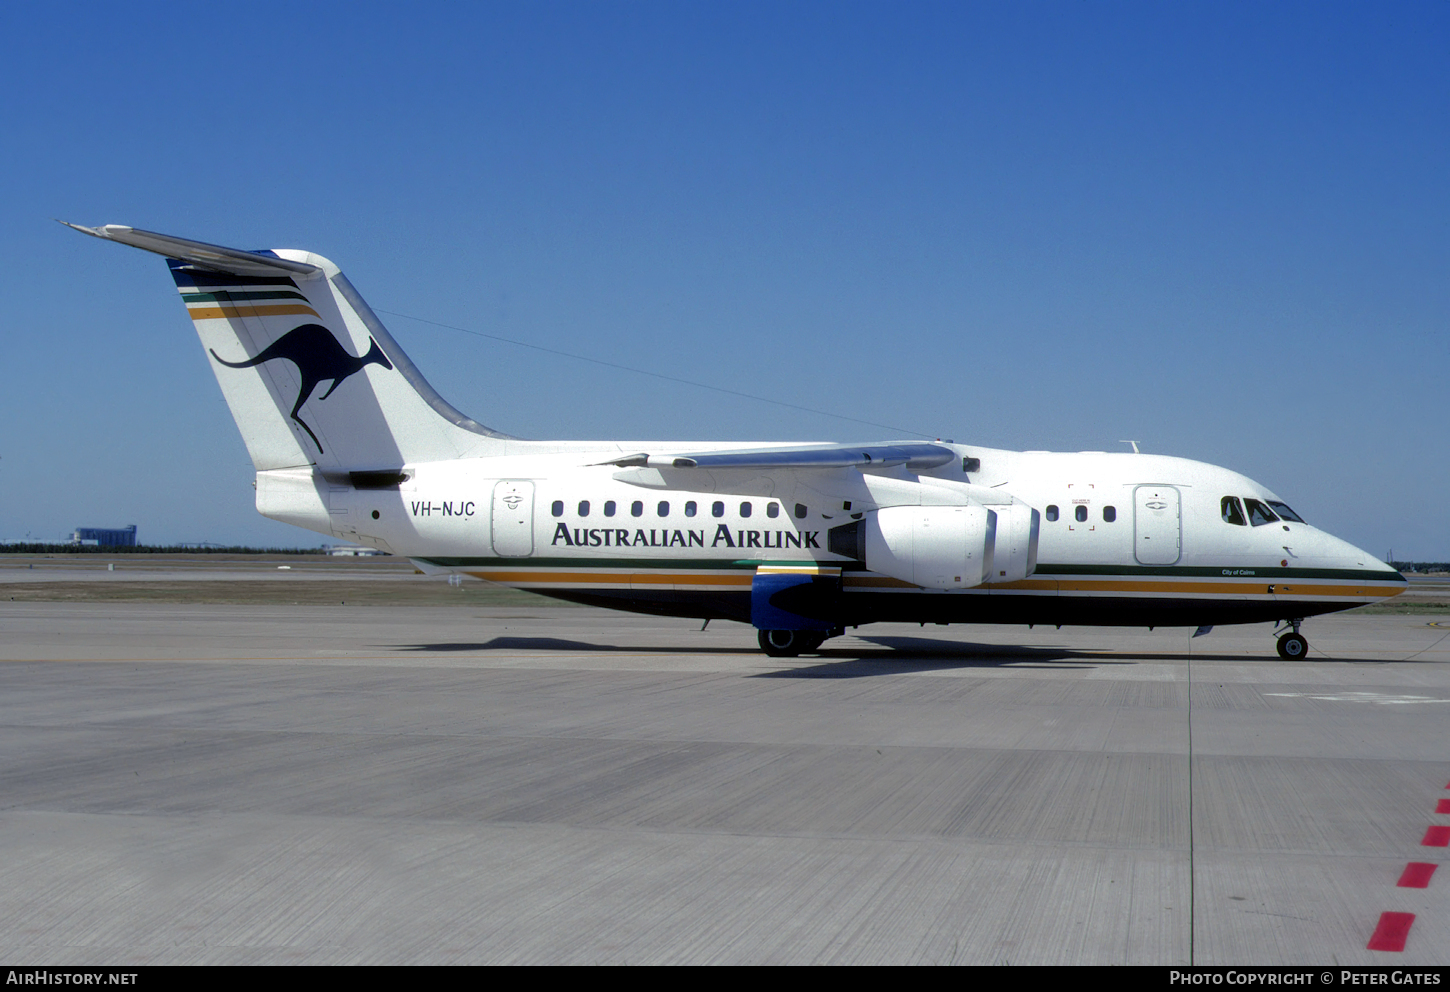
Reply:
x=915, y=456
x=214, y=257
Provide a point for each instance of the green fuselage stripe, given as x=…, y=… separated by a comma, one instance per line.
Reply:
x=1221, y=572
x=1257, y=573
x=223, y=296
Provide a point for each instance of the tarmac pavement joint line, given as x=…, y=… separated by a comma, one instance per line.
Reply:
x=1436, y=644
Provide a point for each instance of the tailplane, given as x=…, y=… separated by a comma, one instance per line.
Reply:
x=309, y=372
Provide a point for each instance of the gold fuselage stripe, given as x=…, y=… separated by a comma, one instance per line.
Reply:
x=1227, y=588
x=280, y=309
x=742, y=579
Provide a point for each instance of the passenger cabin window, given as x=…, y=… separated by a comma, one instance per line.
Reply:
x=690, y=508
x=772, y=509
x=1052, y=513
x=717, y=509
x=636, y=509
x=558, y=507
x=664, y=508
x=609, y=508
x=1232, y=512
x=800, y=511
x=1110, y=513
x=1080, y=513
x=745, y=509
x=1259, y=514
x=583, y=508
x=1282, y=509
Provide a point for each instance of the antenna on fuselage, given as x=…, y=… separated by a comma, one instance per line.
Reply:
x=1133, y=443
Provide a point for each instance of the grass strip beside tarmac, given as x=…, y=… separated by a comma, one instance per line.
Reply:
x=1401, y=605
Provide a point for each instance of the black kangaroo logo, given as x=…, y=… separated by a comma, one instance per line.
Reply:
x=318, y=356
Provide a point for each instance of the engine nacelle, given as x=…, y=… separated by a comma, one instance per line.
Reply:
x=937, y=547
x=1015, y=554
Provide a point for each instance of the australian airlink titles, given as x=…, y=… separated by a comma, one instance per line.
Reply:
x=619, y=537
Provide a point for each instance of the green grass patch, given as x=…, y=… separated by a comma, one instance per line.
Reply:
x=1414, y=607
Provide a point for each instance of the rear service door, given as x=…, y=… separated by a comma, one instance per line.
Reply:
x=1156, y=525
x=513, y=519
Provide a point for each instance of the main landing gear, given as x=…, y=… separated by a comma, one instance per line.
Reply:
x=1293, y=646
x=789, y=643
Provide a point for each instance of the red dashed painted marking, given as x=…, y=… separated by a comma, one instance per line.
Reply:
x=1417, y=875
x=1437, y=837
x=1443, y=806
x=1391, y=933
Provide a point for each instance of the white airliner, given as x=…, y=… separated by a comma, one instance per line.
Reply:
x=800, y=540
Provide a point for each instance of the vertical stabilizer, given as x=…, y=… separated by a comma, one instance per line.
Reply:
x=309, y=372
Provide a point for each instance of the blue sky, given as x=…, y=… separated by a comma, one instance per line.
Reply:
x=1219, y=229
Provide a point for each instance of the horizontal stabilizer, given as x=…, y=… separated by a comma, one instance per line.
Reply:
x=914, y=456
x=212, y=257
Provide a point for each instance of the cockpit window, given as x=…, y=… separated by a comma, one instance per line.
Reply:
x=1259, y=514
x=1233, y=513
x=1282, y=509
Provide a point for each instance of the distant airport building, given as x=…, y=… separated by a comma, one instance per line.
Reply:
x=124, y=537
x=354, y=551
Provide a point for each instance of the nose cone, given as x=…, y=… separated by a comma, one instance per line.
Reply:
x=1364, y=560
x=1379, y=572
x=1382, y=581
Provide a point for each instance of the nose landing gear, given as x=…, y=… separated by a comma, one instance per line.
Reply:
x=1293, y=646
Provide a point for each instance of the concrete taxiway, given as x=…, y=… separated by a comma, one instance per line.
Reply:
x=338, y=784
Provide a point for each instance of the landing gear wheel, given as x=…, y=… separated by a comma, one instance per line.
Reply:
x=1293, y=647
x=813, y=640
x=789, y=643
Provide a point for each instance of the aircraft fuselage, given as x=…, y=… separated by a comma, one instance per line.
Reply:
x=629, y=538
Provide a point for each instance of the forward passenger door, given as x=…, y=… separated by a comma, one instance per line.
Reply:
x=1157, y=525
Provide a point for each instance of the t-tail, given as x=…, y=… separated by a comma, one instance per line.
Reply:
x=312, y=377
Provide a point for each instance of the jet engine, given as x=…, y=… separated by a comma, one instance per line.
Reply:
x=944, y=547
x=937, y=547
x=1015, y=554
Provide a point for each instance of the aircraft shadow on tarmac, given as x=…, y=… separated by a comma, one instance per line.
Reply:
x=891, y=650
x=898, y=655
x=885, y=656
x=924, y=653
x=888, y=655
x=559, y=644
x=1011, y=654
